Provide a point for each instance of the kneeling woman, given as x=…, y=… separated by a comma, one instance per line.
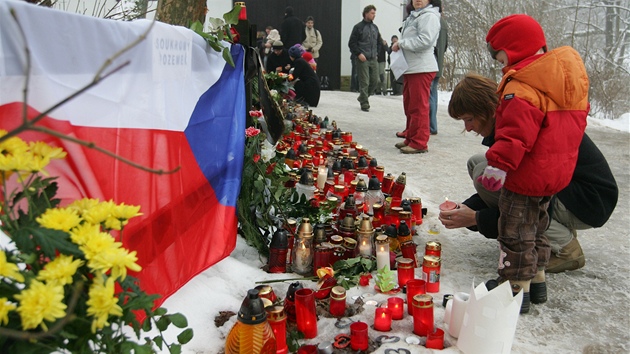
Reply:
x=306, y=82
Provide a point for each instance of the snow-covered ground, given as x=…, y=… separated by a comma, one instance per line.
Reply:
x=588, y=310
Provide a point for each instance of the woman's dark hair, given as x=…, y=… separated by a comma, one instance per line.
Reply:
x=476, y=95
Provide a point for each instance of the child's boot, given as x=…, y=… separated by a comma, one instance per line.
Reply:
x=518, y=285
x=538, y=288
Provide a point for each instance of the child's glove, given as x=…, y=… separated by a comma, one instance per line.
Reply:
x=492, y=178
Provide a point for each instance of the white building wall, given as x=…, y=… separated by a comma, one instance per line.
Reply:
x=388, y=16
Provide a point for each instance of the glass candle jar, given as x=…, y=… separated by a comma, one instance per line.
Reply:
x=431, y=273
x=364, y=243
x=303, y=255
x=277, y=319
x=422, y=314
x=406, y=271
x=337, y=306
x=382, y=252
x=435, y=339
x=414, y=287
x=305, y=315
x=322, y=257
x=383, y=319
x=399, y=186
x=396, y=306
x=251, y=332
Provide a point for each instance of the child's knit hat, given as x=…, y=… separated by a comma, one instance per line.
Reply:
x=520, y=36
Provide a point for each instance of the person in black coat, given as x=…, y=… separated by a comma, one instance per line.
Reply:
x=278, y=60
x=587, y=202
x=291, y=29
x=305, y=80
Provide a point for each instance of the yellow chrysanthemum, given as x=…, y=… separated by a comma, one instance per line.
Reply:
x=83, y=205
x=59, y=219
x=125, y=212
x=40, y=302
x=82, y=233
x=5, y=308
x=116, y=259
x=102, y=303
x=8, y=269
x=60, y=270
x=37, y=163
x=99, y=213
x=98, y=243
x=41, y=148
x=12, y=145
x=114, y=224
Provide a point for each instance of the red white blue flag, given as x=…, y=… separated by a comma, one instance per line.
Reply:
x=176, y=104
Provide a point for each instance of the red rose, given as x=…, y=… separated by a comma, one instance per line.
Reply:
x=270, y=168
x=256, y=157
x=251, y=131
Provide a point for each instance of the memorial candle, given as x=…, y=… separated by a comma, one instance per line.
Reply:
x=382, y=252
x=396, y=306
x=383, y=319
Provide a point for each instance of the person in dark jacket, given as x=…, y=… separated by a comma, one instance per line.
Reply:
x=305, y=80
x=291, y=29
x=278, y=60
x=587, y=202
x=363, y=45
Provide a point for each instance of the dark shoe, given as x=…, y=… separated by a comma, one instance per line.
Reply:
x=516, y=287
x=364, y=109
x=400, y=145
x=401, y=135
x=410, y=150
x=570, y=257
x=538, y=293
x=433, y=133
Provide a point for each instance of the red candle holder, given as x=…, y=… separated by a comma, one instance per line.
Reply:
x=383, y=319
x=277, y=319
x=406, y=271
x=337, y=305
x=416, y=209
x=307, y=349
x=388, y=182
x=359, y=336
x=414, y=287
x=435, y=339
x=396, y=306
x=448, y=205
x=431, y=273
x=433, y=248
x=305, y=314
x=422, y=314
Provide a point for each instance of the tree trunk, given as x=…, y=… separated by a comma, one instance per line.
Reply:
x=182, y=12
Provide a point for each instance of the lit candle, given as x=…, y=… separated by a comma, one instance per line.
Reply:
x=382, y=252
x=435, y=339
x=322, y=175
x=365, y=247
x=395, y=305
x=383, y=319
x=448, y=205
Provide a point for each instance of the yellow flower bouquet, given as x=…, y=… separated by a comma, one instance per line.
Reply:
x=64, y=285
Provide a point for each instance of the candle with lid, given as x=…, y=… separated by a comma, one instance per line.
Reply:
x=448, y=205
x=278, y=321
x=431, y=273
x=422, y=314
x=252, y=330
x=405, y=271
x=337, y=307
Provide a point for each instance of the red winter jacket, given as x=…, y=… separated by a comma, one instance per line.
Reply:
x=540, y=122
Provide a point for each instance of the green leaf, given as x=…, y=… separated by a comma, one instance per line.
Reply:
x=158, y=341
x=185, y=336
x=175, y=349
x=197, y=27
x=160, y=312
x=231, y=18
x=163, y=323
x=178, y=320
x=228, y=57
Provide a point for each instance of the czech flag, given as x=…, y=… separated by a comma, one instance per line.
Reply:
x=176, y=104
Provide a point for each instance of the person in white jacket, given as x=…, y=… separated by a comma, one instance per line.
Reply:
x=419, y=36
x=313, y=41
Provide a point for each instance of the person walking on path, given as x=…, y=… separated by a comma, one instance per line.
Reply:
x=419, y=35
x=291, y=29
x=382, y=63
x=313, y=39
x=440, y=48
x=363, y=45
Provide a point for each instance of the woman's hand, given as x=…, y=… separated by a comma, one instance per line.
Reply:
x=456, y=218
x=395, y=47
